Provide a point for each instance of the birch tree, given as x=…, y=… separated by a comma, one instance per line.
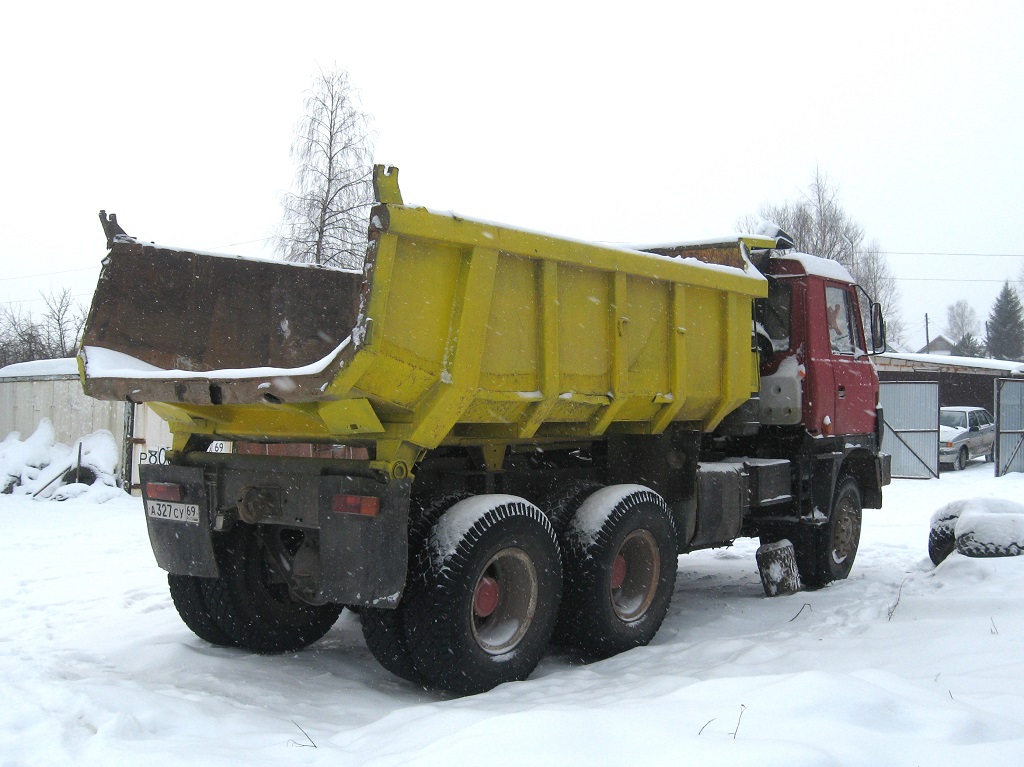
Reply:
x=325, y=217
x=819, y=225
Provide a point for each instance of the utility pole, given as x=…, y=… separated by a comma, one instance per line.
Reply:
x=927, y=338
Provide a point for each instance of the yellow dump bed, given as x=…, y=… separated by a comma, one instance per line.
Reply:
x=457, y=332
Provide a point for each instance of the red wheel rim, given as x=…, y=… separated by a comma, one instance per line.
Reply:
x=618, y=571
x=485, y=600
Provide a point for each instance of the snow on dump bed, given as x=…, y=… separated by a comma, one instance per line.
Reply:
x=231, y=256
x=107, y=363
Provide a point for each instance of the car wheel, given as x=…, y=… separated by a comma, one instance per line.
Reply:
x=961, y=460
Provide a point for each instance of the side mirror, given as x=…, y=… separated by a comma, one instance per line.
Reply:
x=877, y=329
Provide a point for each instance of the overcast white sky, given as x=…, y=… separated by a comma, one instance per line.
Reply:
x=662, y=121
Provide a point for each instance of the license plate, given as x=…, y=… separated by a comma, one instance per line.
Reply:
x=175, y=512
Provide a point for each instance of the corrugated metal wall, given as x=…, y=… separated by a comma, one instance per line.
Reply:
x=1009, y=454
x=26, y=401
x=911, y=437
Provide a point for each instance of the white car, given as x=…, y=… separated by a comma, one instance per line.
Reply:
x=965, y=433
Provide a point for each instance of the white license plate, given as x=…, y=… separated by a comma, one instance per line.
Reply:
x=175, y=512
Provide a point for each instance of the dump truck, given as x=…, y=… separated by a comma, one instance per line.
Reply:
x=536, y=428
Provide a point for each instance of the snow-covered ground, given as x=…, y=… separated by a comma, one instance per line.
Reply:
x=903, y=664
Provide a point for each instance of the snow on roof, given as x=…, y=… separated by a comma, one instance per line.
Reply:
x=947, y=361
x=828, y=268
x=67, y=366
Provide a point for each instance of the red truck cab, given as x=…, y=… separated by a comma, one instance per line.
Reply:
x=813, y=346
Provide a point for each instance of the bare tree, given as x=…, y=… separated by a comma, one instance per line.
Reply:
x=23, y=338
x=20, y=336
x=325, y=219
x=871, y=270
x=819, y=225
x=961, y=321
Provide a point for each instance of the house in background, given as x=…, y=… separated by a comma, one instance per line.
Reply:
x=962, y=380
x=938, y=345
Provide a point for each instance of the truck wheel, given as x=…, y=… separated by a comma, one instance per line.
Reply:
x=384, y=630
x=620, y=572
x=189, y=597
x=836, y=542
x=562, y=503
x=961, y=460
x=482, y=605
x=252, y=605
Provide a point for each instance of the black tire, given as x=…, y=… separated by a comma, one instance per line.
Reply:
x=962, y=458
x=384, y=634
x=619, y=577
x=561, y=504
x=252, y=606
x=836, y=542
x=991, y=535
x=189, y=597
x=941, y=541
x=384, y=630
x=482, y=606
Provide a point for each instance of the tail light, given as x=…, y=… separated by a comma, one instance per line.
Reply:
x=164, y=491
x=364, y=505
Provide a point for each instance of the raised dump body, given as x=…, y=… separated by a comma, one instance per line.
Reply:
x=457, y=332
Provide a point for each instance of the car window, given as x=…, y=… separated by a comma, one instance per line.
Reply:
x=973, y=416
x=986, y=417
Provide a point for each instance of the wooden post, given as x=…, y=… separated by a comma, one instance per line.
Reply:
x=777, y=564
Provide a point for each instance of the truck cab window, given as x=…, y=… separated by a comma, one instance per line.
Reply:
x=773, y=315
x=840, y=320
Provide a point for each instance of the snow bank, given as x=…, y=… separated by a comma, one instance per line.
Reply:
x=43, y=468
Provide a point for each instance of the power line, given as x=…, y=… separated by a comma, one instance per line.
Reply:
x=967, y=255
x=50, y=274
x=950, y=279
x=19, y=301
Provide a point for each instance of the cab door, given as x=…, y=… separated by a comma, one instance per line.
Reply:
x=854, y=378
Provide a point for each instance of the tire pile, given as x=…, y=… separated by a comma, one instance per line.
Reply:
x=977, y=527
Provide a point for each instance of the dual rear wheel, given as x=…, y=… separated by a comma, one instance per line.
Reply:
x=494, y=583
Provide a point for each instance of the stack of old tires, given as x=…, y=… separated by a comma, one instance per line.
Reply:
x=977, y=527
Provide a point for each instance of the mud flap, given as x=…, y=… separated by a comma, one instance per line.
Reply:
x=182, y=546
x=364, y=558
